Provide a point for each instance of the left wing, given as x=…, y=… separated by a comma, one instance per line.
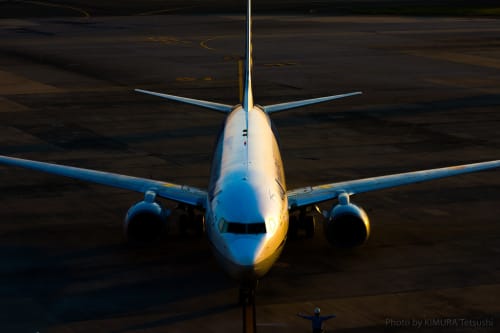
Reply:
x=180, y=193
x=311, y=195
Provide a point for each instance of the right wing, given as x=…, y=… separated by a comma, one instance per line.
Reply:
x=180, y=193
x=311, y=195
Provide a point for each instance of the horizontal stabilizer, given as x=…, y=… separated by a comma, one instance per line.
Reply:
x=296, y=104
x=204, y=104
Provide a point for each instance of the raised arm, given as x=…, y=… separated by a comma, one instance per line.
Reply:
x=328, y=317
x=301, y=315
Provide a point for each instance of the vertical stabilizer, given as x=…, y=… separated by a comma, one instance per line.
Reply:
x=247, y=88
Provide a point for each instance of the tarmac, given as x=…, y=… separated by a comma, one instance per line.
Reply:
x=431, y=99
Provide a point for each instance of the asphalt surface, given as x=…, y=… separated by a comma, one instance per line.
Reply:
x=431, y=99
x=86, y=8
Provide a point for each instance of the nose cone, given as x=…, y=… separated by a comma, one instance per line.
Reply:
x=247, y=257
x=246, y=251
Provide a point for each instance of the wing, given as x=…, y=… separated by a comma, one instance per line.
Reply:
x=311, y=195
x=180, y=193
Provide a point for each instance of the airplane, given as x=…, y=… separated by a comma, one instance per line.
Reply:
x=248, y=211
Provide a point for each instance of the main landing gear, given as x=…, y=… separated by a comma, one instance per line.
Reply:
x=302, y=224
x=190, y=220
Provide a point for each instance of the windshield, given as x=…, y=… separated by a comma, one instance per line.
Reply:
x=242, y=228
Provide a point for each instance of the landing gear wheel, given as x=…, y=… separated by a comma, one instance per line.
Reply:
x=247, y=302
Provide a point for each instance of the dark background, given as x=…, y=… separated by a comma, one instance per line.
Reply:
x=318, y=7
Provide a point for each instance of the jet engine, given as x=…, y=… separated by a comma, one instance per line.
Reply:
x=347, y=225
x=146, y=220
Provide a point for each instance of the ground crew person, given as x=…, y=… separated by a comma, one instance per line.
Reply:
x=317, y=321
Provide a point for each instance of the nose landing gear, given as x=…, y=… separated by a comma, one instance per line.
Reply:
x=247, y=301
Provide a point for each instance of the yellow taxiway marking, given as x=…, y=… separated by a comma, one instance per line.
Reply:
x=185, y=79
x=281, y=64
x=168, y=40
x=203, y=43
x=166, y=10
x=56, y=5
x=191, y=79
x=12, y=84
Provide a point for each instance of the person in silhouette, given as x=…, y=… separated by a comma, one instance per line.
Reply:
x=317, y=321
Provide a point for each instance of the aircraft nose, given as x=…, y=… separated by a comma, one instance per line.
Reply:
x=246, y=251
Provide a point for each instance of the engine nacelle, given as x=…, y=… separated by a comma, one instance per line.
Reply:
x=145, y=221
x=347, y=225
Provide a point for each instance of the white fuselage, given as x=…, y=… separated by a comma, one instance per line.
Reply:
x=247, y=208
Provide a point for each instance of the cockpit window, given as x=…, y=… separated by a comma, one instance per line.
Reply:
x=236, y=228
x=242, y=228
x=256, y=228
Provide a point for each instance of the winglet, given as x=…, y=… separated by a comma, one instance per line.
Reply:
x=204, y=104
x=291, y=105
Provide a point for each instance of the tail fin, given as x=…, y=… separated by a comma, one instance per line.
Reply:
x=247, y=85
x=247, y=88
